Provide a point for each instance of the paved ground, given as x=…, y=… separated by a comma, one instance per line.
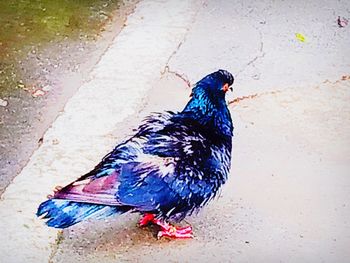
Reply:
x=288, y=196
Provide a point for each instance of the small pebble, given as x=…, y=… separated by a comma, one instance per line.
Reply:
x=342, y=21
x=47, y=88
x=3, y=103
x=38, y=93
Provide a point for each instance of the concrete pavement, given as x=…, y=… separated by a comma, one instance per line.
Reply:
x=256, y=40
x=288, y=196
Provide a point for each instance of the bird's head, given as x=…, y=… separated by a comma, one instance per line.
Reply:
x=214, y=85
x=208, y=94
x=208, y=103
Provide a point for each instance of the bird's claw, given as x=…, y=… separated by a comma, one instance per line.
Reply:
x=167, y=230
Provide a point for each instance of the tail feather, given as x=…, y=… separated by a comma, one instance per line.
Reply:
x=63, y=213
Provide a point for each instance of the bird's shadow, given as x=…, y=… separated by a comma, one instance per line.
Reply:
x=116, y=234
x=121, y=235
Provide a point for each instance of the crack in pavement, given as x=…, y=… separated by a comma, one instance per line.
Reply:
x=181, y=76
x=255, y=95
x=261, y=51
x=166, y=69
x=55, y=246
x=273, y=92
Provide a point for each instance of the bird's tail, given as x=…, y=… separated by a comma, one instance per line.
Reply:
x=63, y=213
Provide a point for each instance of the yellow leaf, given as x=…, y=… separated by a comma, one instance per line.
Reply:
x=300, y=37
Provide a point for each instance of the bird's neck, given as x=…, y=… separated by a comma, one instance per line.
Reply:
x=210, y=114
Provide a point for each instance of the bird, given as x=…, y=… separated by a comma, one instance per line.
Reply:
x=173, y=165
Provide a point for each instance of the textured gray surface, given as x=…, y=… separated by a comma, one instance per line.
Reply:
x=256, y=41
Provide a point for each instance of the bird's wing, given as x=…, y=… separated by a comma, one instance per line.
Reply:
x=141, y=172
x=100, y=185
x=100, y=190
x=138, y=184
x=161, y=186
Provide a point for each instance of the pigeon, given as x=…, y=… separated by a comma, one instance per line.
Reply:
x=172, y=166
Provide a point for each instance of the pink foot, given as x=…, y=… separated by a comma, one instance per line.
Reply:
x=176, y=232
x=167, y=230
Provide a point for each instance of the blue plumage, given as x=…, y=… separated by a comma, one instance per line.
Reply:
x=63, y=213
x=171, y=167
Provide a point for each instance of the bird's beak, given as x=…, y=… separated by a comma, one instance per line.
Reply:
x=226, y=87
